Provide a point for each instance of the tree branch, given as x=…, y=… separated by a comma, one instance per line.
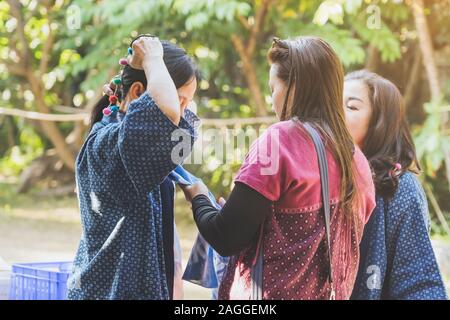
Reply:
x=414, y=78
x=244, y=22
x=48, y=46
x=16, y=12
x=14, y=68
x=256, y=28
x=426, y=46
x=239, y=45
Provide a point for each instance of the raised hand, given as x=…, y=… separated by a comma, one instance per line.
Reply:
x=145, y=49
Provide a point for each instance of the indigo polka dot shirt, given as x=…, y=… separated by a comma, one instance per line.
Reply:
x=119, y=170
x=397, y=259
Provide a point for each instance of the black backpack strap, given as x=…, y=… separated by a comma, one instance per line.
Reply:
x=324, y=182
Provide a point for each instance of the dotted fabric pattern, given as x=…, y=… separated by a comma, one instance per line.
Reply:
x=295, y=258
x=397, y=259
x=118, y=172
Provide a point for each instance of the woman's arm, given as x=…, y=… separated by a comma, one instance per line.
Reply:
x=233, y=228
x=148, y=55
x=149, y=142
x=152, y=132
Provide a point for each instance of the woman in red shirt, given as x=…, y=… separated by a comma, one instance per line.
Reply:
x=276, y=202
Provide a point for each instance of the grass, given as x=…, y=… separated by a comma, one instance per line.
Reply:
x=33, y=205
x=42, y=228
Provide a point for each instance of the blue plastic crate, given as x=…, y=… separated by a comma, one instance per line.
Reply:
x=39, y=281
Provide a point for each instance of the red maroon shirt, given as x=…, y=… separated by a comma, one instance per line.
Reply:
x=282, y=165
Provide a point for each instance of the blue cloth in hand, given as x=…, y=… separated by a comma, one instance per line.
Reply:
x=205, y=266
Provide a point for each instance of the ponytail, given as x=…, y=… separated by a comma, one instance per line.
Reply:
x=97, y=111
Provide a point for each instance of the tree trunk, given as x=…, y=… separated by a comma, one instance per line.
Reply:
x=50, y=129
x=27, y=68
x=414, y=78
x=246, y=51
x=250, y=77
x=373, y=59
x=426, y=47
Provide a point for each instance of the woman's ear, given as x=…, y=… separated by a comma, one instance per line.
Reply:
x=136, y=90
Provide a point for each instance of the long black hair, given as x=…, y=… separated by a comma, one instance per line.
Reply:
x=388, y=140
x=181, y=68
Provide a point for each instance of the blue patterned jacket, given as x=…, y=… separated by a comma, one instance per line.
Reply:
x=397, y=259
x=118, y=172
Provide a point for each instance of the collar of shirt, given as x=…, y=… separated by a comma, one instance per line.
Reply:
x=191, y=118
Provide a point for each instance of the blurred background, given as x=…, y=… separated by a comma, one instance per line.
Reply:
x=56, y=55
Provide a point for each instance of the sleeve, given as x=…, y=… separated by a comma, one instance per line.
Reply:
x=231, y=229
x=412, y=271
x=150, y=144
x=261, y=169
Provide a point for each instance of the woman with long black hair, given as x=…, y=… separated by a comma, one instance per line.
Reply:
x=126, y=201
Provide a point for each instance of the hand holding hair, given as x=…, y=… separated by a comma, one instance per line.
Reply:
x=144, y=50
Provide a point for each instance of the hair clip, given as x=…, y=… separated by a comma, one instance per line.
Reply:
x=113, y=108
x=396, y=170
x=276, y=40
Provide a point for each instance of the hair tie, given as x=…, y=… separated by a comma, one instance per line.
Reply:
x=396, y=170
x=117, y=81
x=113, y=108
x=107, y=111
x=113, y=99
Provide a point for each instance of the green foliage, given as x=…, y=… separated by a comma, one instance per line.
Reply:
x=84, y=59
x=431, y=144
x=349, y=49
x=429, y=140
x=368, y=23
x=19, y=156
x=383, y=39
x=23, y=142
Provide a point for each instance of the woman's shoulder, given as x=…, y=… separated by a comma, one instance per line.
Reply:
x=283, y=127
x=290, y=134
x=409, y=181
x=409, y=199
x=409, y=189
